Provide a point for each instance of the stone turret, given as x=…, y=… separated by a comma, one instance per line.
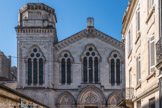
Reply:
x=37, y=15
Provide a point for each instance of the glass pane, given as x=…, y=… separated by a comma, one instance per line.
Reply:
x=118, y=71
x=68, y=71
x=112, y=71
x=96, y=70
x=85, y=70
x=63, y=71
x=152, y=103
x=35, y=71
x=90, y=70
x=152, y=54
x=29, y=71
x=40, y=71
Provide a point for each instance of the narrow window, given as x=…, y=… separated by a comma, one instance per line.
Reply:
x=85, y=69
x=138, y=20
x=90, y=70
x=29, y=71
x=63, y=71
x=112, y=72
x=40, y=71
x=96, y=70
x=139, y=104
x=138, y=70
x=35, y=71
x=151, y=3
x=118, y=71
x=152, y=103
x=151, y=54
x=68, y=71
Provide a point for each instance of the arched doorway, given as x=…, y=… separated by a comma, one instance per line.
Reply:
x=91, y=97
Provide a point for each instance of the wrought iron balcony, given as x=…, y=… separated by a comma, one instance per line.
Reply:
x=159, y=53
x=125, y=97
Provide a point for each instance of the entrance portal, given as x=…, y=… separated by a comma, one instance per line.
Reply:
x=90, y=107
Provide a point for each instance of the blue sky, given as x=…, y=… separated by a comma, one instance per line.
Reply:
x=71, y=17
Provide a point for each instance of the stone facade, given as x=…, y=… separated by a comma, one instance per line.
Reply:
x=36, y=33
x=140, y=32
x=5, y=67
x=10, y=98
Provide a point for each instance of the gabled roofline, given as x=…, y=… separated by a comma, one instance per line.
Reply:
x=89, y=32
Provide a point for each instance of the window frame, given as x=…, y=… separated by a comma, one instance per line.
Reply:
x=138, y=21
x=138, y=70
x=151, y=41
x=87, y=53
x=33, y=56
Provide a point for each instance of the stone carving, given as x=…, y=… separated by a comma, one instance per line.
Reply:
x=67, y=100
x=91, y=99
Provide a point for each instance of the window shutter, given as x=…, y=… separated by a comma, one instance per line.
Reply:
x=151, y=54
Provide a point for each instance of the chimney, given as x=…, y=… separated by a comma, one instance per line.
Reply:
x=90, y=22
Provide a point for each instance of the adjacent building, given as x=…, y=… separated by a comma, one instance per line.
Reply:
x=142, y=36
x=86, y=70
x=5, y=67
x=10, y=98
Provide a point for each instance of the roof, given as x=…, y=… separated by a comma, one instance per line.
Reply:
x=89, y=32
x=20, y=94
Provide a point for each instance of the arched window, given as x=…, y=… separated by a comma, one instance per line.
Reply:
x=65, y=63
x=90, y=59
x=115, y=71
x=35, y=65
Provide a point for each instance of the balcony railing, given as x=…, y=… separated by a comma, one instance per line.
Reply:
x=159, y=53
x=124, y=96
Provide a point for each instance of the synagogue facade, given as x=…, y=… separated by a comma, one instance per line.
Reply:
x=86, y=70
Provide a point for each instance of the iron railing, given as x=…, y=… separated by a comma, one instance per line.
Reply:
x=159, y=52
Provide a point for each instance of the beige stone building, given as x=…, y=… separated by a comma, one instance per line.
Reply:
x=10, y=98
x=142, y=36
x=85, y=70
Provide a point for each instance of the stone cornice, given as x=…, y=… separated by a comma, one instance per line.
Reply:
x=37, y=6
x=34, y=30
x=90, y=33
x=127, y=15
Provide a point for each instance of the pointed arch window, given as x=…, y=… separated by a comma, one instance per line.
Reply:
x=65, y=63
x=35, y=66
x=115, y=68
x=90, y=59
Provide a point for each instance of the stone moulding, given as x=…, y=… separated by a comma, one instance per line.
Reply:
x=90, y=34
x=37, y=6
x=35, y=30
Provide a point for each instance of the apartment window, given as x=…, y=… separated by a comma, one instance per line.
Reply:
x=130, y=78
x=138, y=20
x=152, y=103
x=129, y=41
x=151, y=54
x=150, y=4
x=138, y=70
x=139, y=104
